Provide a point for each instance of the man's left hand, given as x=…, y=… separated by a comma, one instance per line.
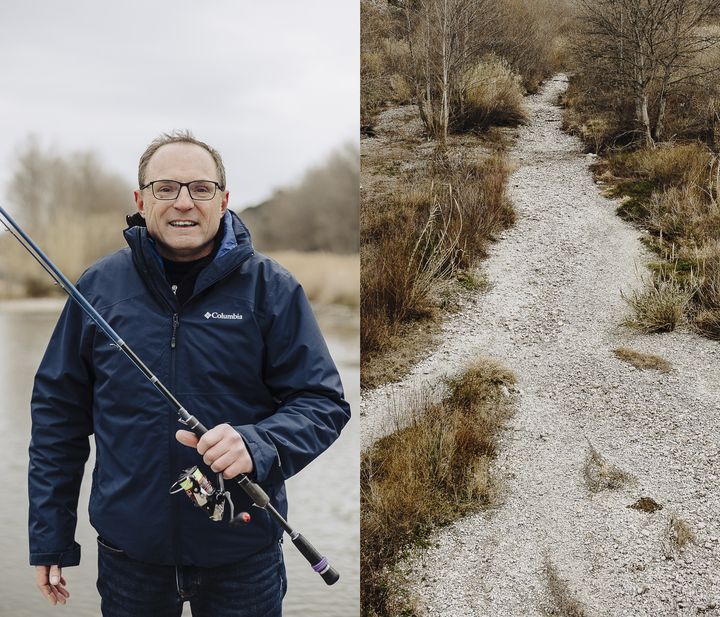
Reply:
x=222, y=448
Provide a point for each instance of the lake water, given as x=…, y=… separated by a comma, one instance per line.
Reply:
x=324, y=497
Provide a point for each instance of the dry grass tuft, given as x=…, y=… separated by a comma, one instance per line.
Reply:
x=492, y=95
x=676, y=537
x=660, y=305
x=417, y=237
x=682, y=217
x=429, y=473
x=669, y=165
x=563, y=601
x=599, y=474
x=642, y=360
x=707, y=323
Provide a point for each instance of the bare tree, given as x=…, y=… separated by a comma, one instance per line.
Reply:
x=46, y=185
x=73, y=207
x=646, y=49
x=445, y=38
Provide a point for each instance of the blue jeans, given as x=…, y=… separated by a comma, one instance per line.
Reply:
x=253, y=587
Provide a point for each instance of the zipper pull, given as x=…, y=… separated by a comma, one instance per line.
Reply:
x=176, y=323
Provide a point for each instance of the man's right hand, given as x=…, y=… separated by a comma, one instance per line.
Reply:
x=50, y=582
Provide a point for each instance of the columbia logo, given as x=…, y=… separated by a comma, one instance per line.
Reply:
x=215, y=315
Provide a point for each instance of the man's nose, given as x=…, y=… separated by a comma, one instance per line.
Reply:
x=184, y=201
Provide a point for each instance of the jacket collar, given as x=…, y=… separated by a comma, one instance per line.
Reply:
x=235, y=247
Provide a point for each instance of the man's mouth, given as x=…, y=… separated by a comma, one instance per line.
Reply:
x=183, y=223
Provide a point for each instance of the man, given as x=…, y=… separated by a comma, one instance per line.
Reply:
x=231, y=333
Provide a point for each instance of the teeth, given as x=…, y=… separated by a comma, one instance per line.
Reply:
x=182, y=224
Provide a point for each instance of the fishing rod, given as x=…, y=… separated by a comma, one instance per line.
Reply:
x=257, y=495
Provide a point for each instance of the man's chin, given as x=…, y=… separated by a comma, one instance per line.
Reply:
x=184, y=251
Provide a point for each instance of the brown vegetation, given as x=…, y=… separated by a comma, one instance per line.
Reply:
x=646, y=504
x=646, y=72
x=71, y=206
x=659, y=306
x=417, y=236
x=492, y=94
x=642, y=360
x=327, y=278
x=422, y=52
x=562, y=599
x=600, y=475
x=319, y=214
x=676, y=537
x=431, y=471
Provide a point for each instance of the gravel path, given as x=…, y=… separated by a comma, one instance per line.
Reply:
x=553, y=316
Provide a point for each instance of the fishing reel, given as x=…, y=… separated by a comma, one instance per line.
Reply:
x=206, y=497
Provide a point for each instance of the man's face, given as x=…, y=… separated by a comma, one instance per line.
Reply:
x=182, y=162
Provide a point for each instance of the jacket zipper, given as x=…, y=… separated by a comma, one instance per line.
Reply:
x=172, y=421
x=175, y=324
x=177, y=549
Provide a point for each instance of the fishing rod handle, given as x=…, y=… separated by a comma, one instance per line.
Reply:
x=256, y=494
x=318, y=562
x=260, y=498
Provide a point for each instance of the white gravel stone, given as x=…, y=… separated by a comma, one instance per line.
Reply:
x=556, y=276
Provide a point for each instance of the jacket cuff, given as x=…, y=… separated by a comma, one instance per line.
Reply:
x=64, y=559
x=263, y=454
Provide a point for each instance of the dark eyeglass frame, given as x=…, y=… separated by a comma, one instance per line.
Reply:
x=182, y=184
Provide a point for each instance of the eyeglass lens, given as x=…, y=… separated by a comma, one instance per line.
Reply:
x=170, y=189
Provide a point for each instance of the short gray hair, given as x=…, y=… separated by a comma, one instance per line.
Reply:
x=179, y=137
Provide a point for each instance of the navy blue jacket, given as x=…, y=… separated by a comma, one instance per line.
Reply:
x=244, y=349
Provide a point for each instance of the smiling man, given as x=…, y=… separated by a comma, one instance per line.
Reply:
x=233, y=336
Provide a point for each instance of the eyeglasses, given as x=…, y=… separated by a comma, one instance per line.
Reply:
x=200, y=190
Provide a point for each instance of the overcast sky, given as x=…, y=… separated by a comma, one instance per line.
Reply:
x=273, y=85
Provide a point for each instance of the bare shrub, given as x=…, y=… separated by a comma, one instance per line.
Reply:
x=642, y=360
x=599, y=474
x=429, y=473
x=492, y=94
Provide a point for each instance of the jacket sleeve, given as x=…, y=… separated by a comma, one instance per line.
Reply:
x=61, y=423
x=301, y=375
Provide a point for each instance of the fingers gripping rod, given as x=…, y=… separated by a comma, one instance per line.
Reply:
x=256, y=494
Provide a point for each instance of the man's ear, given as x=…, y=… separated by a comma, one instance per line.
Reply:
x=224, y=203
x=139, y=202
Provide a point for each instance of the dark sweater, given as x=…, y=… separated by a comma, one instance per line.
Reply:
x=182, y=274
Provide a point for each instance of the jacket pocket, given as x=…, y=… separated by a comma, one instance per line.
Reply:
x=103, y=544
